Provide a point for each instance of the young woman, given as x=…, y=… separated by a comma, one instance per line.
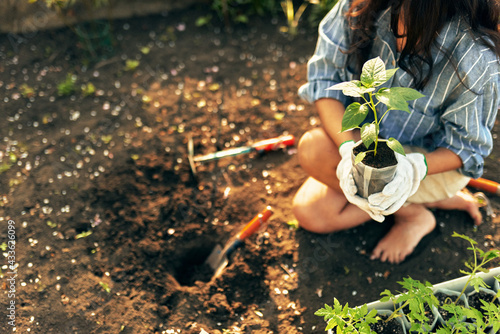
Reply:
x=446, y=49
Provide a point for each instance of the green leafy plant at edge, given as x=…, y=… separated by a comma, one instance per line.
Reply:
x=373, y=75
x=344, y=319
x=348, y=320
x=292, y=16
x=475, y=266
x=416, y=297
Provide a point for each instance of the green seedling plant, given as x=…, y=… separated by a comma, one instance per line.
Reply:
x=489, y=315
x=347, y=320
x=416, y=301
x=374, y=75
x=476, y=266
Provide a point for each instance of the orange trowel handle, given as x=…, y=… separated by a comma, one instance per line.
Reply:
x=255, y=224
x=486, y=185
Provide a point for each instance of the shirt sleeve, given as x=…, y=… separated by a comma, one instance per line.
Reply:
x=327, y=66
x=468, y=121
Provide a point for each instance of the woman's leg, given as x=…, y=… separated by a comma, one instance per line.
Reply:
x=320, y=209
x=415, y=221
x=411, y=224
x=464, y=201
x=320, y=205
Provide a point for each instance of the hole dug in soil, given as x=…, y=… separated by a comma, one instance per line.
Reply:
x=190, y=266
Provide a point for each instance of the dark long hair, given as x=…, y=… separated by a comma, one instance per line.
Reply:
x=426, y=18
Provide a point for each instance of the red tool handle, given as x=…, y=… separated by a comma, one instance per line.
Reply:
x=274, y=143
x=486, y=185
x=255, y=224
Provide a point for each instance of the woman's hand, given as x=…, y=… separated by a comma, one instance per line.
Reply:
x=411, y=170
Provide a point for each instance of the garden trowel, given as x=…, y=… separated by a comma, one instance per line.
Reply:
x=219, y=258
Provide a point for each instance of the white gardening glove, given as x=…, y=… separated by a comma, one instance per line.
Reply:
x=344, y=174
x=411, y=169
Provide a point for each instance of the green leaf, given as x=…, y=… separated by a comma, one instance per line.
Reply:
x=372, y=313
x=131, y=64
x=323, y=311
x=355, y=113
x=385, y=299
x=373, y=73
x=368, y=134
x=408, y=94
x=350, y=88
x=392, y=100
x=395, y=146
x=462, y=236
x=83, y=235
x=477, y=282
x=105, y=287
x=359, y=158
x=203, y=20
x=490, y=255
x=390, y=73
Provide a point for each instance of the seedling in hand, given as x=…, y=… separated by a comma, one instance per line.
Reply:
x=373, y=75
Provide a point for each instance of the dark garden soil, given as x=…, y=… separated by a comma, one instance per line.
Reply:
x=111, y=228
x=474, y=299
x=392, y=326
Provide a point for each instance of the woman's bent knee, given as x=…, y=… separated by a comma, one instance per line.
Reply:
x=306, y=214
x=316, y=149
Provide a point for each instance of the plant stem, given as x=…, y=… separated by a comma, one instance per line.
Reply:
x=381, y=118
x=372, y=105
x=471, y=274
x=474, y=271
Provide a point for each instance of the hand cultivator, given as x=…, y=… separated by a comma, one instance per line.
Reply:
x=260, y=146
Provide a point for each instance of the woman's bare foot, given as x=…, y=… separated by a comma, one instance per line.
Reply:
x=464, y=201
x=471, y=205
x=412, y=223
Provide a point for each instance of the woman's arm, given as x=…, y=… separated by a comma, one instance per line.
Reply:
x=442, y=160
x=331, y=112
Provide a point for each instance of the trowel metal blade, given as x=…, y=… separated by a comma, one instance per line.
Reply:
x=216, y=258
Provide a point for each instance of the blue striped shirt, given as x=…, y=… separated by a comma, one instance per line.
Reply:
x=449, y=116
